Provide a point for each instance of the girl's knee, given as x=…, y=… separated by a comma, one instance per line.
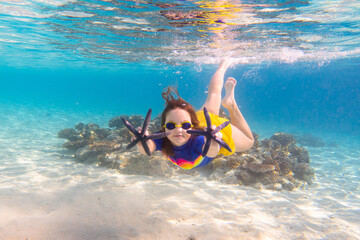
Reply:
x=242, y=142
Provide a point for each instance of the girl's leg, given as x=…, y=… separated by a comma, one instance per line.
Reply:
x=241, y=132
x=213, y=100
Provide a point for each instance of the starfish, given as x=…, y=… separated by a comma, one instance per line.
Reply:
x=210, y=134
x=140, y=136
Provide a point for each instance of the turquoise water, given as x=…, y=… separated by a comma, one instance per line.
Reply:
x=61, y=62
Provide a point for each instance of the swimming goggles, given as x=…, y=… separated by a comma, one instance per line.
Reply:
x=171, y=125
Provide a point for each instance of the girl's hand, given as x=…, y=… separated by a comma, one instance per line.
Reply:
x=139, y=131
x=150, y=142
x=214, y=146
x=218, y=134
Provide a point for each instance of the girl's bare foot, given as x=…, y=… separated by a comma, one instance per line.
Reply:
x=229, y=99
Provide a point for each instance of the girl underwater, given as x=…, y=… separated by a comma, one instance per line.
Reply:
x=184, y=149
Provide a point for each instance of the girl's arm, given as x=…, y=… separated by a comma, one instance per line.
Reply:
x=151, y=145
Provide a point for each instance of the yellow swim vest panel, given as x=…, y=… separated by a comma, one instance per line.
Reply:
x=227, y=132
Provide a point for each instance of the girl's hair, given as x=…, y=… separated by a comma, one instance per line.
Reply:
x=174, y=101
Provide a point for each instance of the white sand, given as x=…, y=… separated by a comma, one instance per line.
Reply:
x=45, y=195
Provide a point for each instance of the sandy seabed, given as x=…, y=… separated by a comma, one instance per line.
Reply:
x=45, y=194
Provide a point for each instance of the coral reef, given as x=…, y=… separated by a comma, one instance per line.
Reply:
x=95, y=151
x=83, y=135
x=277, y=163
x=118, y=123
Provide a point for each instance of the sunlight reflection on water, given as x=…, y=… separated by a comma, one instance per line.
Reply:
x=117, y=32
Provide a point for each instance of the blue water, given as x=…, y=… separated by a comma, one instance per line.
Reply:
x=297, y=64
x=325, y=97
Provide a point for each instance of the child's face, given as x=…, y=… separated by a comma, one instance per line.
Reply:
x=178, y=136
